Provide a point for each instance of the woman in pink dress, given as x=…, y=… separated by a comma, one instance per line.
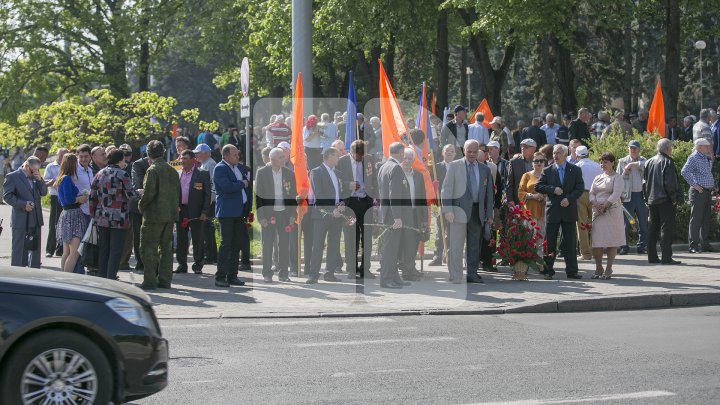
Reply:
x=608, y=230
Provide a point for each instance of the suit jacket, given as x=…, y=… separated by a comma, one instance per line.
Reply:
x=516, y=169
x=228, y=189
x=161, y=191
x=390, y=178
x=456, y=195
x=572, y=186
x=579, y=130
x=441, y=172
x=199, y=193
x=416, y=215
x=369, y=174
x=324, y=191
x=536, y=134
x=265, y=191
x=17, y=192
x=137, y=174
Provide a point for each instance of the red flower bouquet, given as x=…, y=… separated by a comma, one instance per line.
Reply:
x=518, y=241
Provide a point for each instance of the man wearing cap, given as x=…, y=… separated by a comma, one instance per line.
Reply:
x=590, y=170
x=519, y=165
x=203, y=153
x=632, y=168
x=698, y=174
x=502, y=135
x=456, y=132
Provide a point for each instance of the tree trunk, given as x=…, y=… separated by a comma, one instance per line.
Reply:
x=390, y=59
x=628, y=75
x=565, y=76
x=144, y=67
x=546, y=81
x=463, y=75
x=672, y=58
x=442, y=62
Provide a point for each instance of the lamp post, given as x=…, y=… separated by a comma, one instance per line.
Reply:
x=700, y=45
x=468, y=71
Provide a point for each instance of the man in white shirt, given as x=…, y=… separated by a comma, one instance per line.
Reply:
x=590, y=170
x=51, y=174
x=477, y=130
x=551, y=129
x=83, y=181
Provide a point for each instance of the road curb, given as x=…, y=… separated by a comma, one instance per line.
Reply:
x=619, y=303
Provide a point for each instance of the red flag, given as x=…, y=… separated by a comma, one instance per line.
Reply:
x=393, y=124
x=174, y=130
x=484, y=108
x=656, y=116
x=297, y=149
x=432, y=105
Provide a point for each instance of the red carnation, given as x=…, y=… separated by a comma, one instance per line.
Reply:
x=288, y=228
x=513, y=253
x=512, y=262
x=517, y=244
x=251, y=217
x=537, y=228
x=272, y=220
x=184, y=223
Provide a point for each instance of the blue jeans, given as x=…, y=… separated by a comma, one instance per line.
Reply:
x=637, y=208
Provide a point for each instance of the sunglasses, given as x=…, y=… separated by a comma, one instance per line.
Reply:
x=539, y=161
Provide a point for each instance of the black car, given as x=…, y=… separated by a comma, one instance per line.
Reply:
x=69, y=338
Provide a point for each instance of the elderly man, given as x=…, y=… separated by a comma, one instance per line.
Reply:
x=702, y=128
x=467, y=197
x=456, y=132
x=550, y=128
x=686, y=132
x=632, y=168
x=23, y=190
x=697, y=171
x=517, y=167
x=414, y=216
x=590, y=170
x=374, y=138
x=562, y=182
x=535, y=133
x=477, y=130
x=598, y=128
x=448, y=154
x=98, y=158
x=641, y=124
x=503, y=136
x=203, y=153
x=340, y=147
x=662, y=194
x=51, y=173
x=579, y=127
x=195, y=192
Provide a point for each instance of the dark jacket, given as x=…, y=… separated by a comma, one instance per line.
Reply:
x=661, y=181
x=516, y=168
x=503, y=167
x=390, y=177
x=536, y=134
x=228, y=189
x=563, y=135
x=324, y=190
x=199, y=194
x=161, y=189
x=137, y=173
x=579, y=130
x=265, y=191
x=369, y=174
x=452, y=126
x=17, y=192
x=415, y=216
x=441, y=171
x=572, y=186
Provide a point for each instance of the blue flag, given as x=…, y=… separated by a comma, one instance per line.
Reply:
x=351, y=111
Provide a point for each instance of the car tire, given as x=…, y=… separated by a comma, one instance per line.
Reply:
x=63, y=349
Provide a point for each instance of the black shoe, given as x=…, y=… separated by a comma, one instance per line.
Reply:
x=197, y=270
x=708, y=249
x=148, y=287
x=402, y=283
x=236, y=281
x=245, y=267
x=694, y=250
x=435, y=262
x=671, y=261
x=475, y=279
x=180, y=270
x=48, y=255
x=390, y=285
x=221, y=283
x=623, y=250
x=574, y=276
x=641, y=250
x=491, y=269
x=268, y=279
x=653, y=260
x=311, y=280
x=331, y=278
x=164, y=286
x=284, y=279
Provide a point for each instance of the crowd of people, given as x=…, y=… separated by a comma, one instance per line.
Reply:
x=154, y=205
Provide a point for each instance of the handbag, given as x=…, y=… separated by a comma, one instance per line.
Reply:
x=31, y=235
x=89, y=249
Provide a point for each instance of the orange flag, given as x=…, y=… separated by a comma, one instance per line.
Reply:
x=297, y=149
x=484, y=108
x=174, y=130
x=656, y=117
x=432, y=105
x=393, y=124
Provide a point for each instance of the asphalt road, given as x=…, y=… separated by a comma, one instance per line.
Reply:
x=643, y=357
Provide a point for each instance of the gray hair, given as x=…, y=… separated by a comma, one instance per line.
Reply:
x=374, y=120
x=325, y=117
x=396, y=148
x=562, y=148
x=704, y=114
x=688, y=119
x=603, y=116
x=277, y=153
x=470, y=142
x=550, y=116
x=583, y=110
x=338, y=142
x=409, y=152
x=448, y=146
x=664, y=145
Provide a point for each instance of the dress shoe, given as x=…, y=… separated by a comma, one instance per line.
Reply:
x=641, y=250
x=331, y=278
x=236, y=281
x=694, y=250
x=671, y=261
x=491, y=269
x=148, y=287
x=411, y=277
x=708, y=249
x=623, y=250
x=245, y=267
x=166, y=286
x=474, y=278
x=653, y=260
x=221, y=283
x=48, y=255
x=197, y=270
x=402, y=283
x=436, y=261
x=574, y=276
x=390, y=285
x=180, y=270
x=267, y=279
x=284, y=279
x=548, y=277
x=311, y=280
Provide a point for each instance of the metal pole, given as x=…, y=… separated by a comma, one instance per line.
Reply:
x=302, y=48
x=701, y=81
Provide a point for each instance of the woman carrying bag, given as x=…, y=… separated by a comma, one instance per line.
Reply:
x=71, y=224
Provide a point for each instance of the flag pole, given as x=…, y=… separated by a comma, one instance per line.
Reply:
x=431, y=158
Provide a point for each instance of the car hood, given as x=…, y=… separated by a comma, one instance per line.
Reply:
x=60, y=284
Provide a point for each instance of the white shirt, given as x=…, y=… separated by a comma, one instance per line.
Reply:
x=550, y=133
x=334, y=179
x=411, y=184
x=239, y=176
x=51, y=173
x=277, y=182
x=589, y=170
x=479, y=133
x=83, y=181
x=358, y=175
x=209, y=165
x=313, y=143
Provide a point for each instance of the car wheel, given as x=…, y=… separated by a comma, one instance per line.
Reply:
x=56, y=367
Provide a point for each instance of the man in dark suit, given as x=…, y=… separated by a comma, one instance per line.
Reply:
x=246, y=173
x=139, y=168
x=448, y=153
x=23, y=189
x=535, y=133
x=359, y=174
x=275, y=203
x=467, y=198
x=232, y=198
x=390, y=178
x=415, y=215
x=579, y=127
x=327, y=215
x=563, y=184
x=517, y=167
x=195, y=193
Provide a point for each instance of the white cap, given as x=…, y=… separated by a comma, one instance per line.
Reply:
x=582, y=150
x=284, y=145
x=493, y=144
x=529, y=142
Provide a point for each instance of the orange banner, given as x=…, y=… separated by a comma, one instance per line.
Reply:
x=297, y=149
x=656, y=116
x=484, y=108
x=393, y=124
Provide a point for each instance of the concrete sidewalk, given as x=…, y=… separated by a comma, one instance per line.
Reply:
x=635, y=285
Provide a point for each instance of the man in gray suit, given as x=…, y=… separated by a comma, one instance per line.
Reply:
x=22, y=189
x=467, y=197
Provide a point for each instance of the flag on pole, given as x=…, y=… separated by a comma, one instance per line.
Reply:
x=484, y=108
x=656, y=116
x=174, y=130
x=351, y=111
x=423, y=120
x=432, y=105
x=393, y=124
x=446, y=111
x=297, y=149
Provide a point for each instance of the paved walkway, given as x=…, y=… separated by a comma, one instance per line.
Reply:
x=635, y=284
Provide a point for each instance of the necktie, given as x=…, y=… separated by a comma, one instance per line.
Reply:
x=473, y=182
x=561, y=172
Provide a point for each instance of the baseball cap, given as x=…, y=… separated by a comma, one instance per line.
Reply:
x=529, y=142
x=582, y=150
x=125, y=148
x=634, y=144
x=459, y=108
x=202, y=148
x=493, y=144
x=284, y=145
x=496, y=120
